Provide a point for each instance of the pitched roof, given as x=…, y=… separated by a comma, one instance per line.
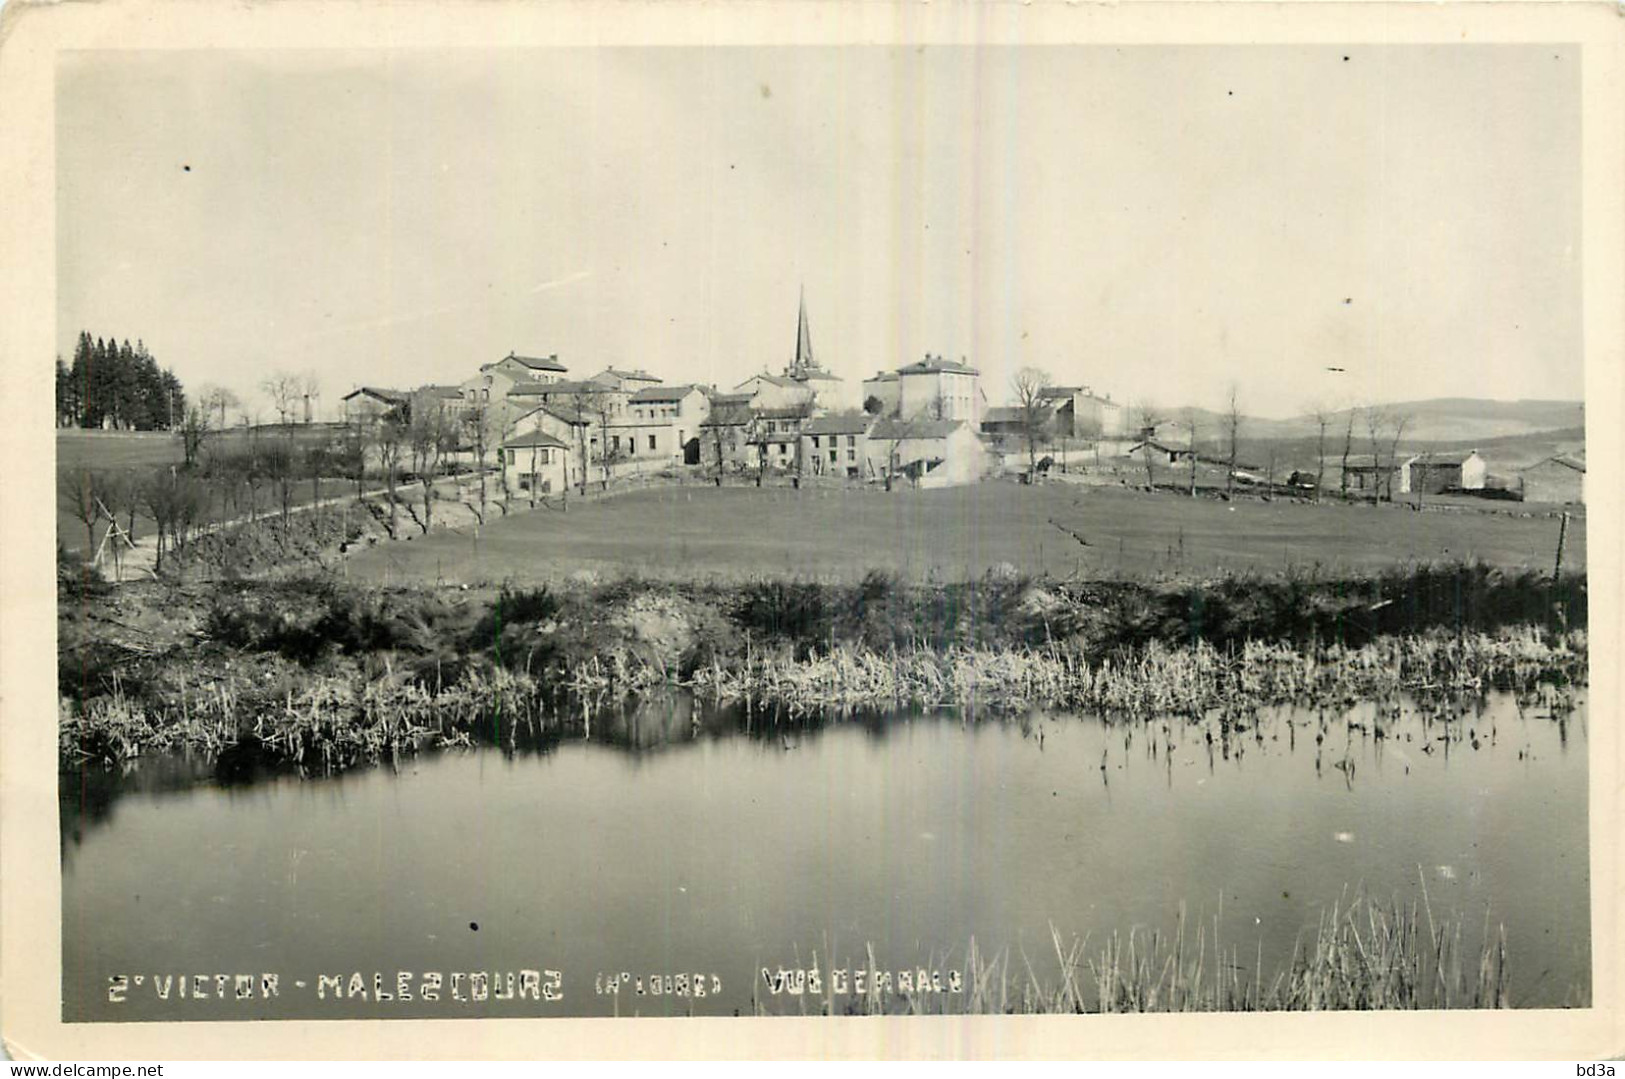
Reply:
x=392, y=396
x=568, y=415
x=883, y=376
x=773, y=380
x=1048, y=392
x=933, y=365
x=532, y=388
x=638, y=375
x=664, y=393
x=536, y=440
x=919, y=427
x=1165, y=445
x=1450, y=457
x=538, y=363
x=444, y=392
x=1363, y=462
x=812, y=375
x=728, y=398
x=1567, y=460
x=838, y=424
x=786, y=412
x=1004, y=414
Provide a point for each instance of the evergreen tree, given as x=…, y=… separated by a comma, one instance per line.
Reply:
x=118, y=386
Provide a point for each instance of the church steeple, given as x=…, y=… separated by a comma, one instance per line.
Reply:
x=804, y=353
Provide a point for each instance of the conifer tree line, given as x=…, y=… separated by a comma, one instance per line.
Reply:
x=115, y=385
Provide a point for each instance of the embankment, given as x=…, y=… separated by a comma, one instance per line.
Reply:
x=328, y=674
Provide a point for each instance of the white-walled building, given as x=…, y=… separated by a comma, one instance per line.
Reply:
x=926, y=452
x=939, y=388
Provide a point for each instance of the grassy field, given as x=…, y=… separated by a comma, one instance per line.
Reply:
x=959, y=533
x=142, y=452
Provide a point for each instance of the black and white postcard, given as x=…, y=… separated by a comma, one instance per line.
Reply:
x=822, y=516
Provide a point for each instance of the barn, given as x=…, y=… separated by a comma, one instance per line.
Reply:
x=1556, y=479
x=1435, y=473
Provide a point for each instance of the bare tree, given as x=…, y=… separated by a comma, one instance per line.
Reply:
x=601, y=407
x=389, y=438
x=586, y=405
x=1190, y=429
x=1148, y=416
x=1323, y=420
x=277, y=464
x=1348, y=447
x=1375, y=420
x=79, y=492
x=218, y=399
x=426, y=435
x=194, y=428
x=1397, y=422
x=1232, y=425
x=726, y=422
x=284, y=390
x=121, y=494
x=1032, y=411
x=477, y=432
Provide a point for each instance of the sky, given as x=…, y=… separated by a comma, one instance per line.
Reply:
x=1160, y=223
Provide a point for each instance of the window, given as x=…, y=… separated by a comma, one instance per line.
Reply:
x=851, y=454
x=815, y=442
x=615, y=443
x=651, y=442
x=851, y=440
x=832, y=454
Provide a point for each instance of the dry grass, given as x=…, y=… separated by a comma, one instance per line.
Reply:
x=1362, y=955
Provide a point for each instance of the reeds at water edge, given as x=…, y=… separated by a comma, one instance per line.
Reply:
x=1362, y=955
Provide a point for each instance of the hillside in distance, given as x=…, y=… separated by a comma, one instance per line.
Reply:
x=1440, y=419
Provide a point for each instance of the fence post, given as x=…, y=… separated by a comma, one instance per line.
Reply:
x=1562, y=533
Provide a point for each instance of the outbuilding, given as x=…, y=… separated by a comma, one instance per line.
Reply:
x=1436, y=473
x=1560, y=479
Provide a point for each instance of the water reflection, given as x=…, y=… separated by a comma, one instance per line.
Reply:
x=675, y=836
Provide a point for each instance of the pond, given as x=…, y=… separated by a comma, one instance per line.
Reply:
x=681, y=840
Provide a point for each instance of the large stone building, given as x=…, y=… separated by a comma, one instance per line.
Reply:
x=1081, y=413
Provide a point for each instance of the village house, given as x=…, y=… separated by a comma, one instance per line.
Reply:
x=1080, y=413
x=577, y=428
x=510, y=376
x=446, y=400
x=880, y=393
x=775, y=391
x=537, y=464
x=532, y=368
x=775, y=434
x=372, y=403
x=628, y=382
x=1365, y=474
x=1559, y=479
x=1435, y=473
x=927, y=452
x=725, y=432
x=1009, y=422
x=836, y=444
x=660, y=425
x=939, y=388
x=1166, y=451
